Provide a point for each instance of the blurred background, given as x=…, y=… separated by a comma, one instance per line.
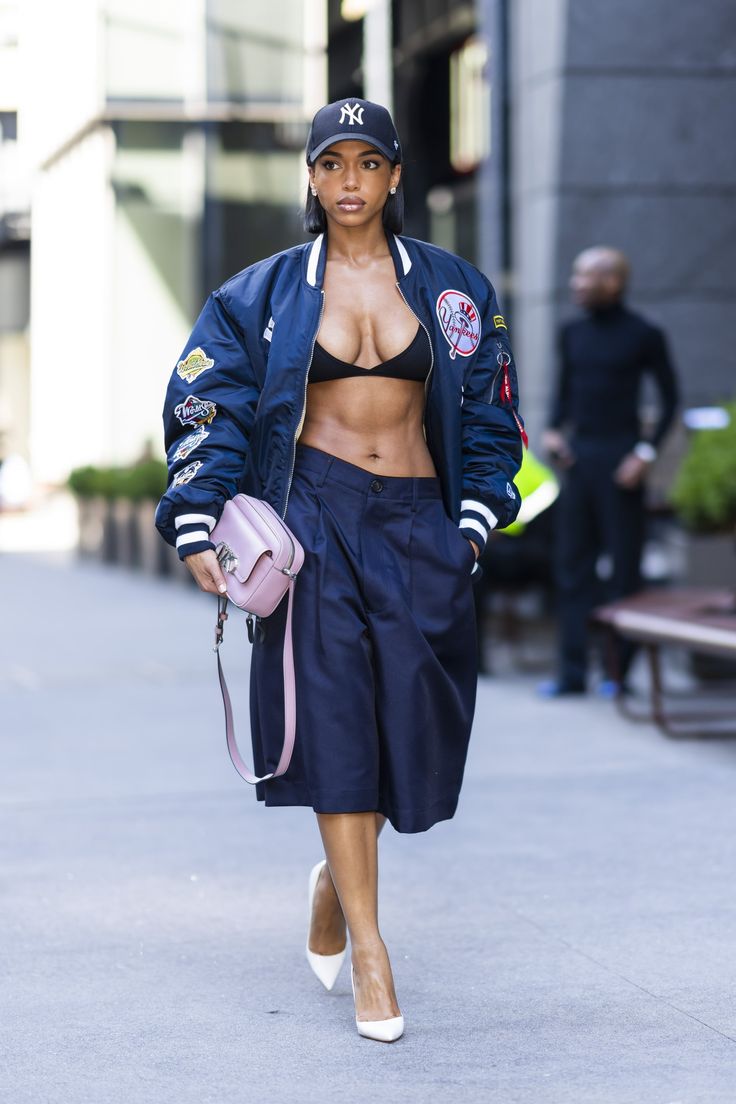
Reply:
x=149, y=150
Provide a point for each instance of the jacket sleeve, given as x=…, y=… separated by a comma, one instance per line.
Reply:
x=658, y=364
x=208, y=415
x=492, y=431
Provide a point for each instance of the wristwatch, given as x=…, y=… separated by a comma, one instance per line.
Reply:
x=645, y=451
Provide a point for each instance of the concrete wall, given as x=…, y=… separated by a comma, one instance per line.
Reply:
x=106, y=324
x=537, y=48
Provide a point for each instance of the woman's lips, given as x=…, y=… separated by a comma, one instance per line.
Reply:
x=351, y=204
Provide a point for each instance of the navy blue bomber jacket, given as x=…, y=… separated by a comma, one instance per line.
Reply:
x=236, y=399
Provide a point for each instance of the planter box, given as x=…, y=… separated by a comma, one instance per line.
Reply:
x=153, y=558
x=711, y=559
x=92, y=514
x=126, y=550
x=123, y=532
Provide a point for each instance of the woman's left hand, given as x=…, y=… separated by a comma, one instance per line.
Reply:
x=476, y=549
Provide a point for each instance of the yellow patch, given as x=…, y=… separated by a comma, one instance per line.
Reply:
x=193, y=365
x=498, y=322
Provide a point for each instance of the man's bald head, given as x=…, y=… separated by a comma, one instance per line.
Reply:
x=599, y=276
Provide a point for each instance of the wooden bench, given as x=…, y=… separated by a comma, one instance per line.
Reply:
x=699, y=619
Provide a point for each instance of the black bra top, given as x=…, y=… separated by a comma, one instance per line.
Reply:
x=410, y=364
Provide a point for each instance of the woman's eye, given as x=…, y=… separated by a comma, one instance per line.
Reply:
x=370, y=164
x=327, y=164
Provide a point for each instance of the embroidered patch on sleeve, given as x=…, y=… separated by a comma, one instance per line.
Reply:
x=460, y=322
x=194, y=411
x=193, y=365
x=187, y=474
x=190, y=443
x=499, y=322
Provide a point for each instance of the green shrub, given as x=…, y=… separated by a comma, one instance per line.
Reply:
x=146, y=480
x=89, y=482
x=704, y=493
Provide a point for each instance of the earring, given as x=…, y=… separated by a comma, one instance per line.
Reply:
x=393, y=191
x=314, y=191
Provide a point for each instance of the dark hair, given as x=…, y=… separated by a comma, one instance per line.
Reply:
x=315, y=220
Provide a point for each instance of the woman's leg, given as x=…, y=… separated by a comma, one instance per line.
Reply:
x=350, y=841
x=327, y=932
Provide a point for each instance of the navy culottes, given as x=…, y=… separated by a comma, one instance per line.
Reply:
x=384, y=650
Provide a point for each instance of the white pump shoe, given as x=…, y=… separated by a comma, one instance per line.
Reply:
x=326, y=967
x=383, y=1031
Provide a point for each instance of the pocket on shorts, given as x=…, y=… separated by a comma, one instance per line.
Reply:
x=466, y=551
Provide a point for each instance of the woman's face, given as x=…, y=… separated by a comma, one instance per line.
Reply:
x=353, y=180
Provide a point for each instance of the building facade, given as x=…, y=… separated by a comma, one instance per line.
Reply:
x=169, y=159
x=604, y=124
x=15, y=273
x=171, y=156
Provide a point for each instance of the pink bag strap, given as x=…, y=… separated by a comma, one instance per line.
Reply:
x=289, y=698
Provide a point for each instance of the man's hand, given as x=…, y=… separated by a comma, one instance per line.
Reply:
x=630, y=471
x=205, y=568
x=558, y=448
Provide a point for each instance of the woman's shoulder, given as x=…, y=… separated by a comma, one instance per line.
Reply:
x=443, y=260
x=261, y=274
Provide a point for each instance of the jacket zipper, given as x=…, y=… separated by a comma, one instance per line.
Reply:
x=497, y=372
x=507, y=396
x=304, y=406
x=493, y=383
x=431, y=362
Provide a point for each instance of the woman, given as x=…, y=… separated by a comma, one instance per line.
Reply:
x=363, y=385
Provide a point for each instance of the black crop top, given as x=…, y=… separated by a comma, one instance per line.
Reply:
x=410, y=364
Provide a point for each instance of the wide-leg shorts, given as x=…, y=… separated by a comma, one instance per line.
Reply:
x=384, y=649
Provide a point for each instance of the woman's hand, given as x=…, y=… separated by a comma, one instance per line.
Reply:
x=476, y=549
x=205, y=568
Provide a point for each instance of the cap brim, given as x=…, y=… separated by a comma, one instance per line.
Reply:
x=346, y=136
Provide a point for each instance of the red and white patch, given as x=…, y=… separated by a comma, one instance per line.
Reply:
x=460, y=321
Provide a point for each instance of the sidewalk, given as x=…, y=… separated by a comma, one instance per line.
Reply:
x=568, y=938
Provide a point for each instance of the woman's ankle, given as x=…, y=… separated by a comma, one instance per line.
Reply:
x=366, y=948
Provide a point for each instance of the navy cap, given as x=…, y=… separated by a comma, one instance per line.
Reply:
x=345, y=119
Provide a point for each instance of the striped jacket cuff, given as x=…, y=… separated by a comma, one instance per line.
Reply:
x=193, y=533
x=476, y=521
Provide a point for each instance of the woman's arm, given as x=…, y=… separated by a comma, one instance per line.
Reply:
x=208, y=414
x=492, y=431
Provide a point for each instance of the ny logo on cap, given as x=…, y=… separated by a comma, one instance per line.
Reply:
x=353, y=114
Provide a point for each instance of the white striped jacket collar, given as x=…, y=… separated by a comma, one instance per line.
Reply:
x=315, y=251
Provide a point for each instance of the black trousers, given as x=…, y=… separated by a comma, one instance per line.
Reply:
x=594, y=516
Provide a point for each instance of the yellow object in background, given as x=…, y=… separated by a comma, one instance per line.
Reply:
x=538, y=487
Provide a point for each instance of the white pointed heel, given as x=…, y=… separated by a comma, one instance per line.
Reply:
x=326, y=967
x=383, y=1031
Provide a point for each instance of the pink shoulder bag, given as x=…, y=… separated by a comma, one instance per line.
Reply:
x=260, y=558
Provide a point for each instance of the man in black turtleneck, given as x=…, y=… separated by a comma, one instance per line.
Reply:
x=595, y=438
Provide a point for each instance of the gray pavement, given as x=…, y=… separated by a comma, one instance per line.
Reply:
x=568, y=938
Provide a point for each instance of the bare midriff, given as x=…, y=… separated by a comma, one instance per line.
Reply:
x=376, y=423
